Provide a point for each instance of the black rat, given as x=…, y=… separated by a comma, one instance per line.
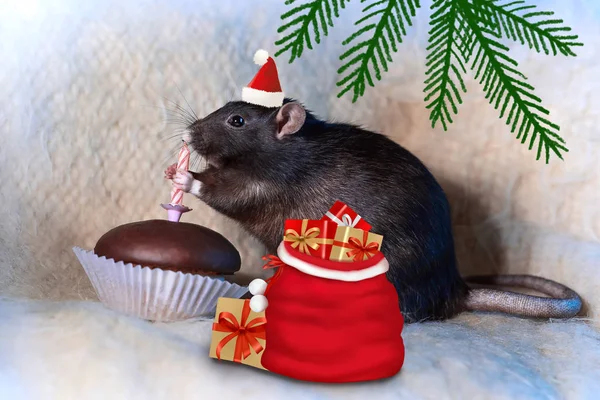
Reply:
x=266, y=165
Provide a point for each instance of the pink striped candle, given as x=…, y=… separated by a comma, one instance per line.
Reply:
x=183, y=163
x=176, y=208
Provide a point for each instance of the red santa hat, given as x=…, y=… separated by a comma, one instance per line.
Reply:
x=264, y=90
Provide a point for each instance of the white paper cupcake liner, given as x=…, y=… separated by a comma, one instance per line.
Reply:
x=153, y=293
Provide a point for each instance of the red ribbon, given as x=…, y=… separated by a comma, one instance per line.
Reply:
x=359, y=250
x=273, y=262
x=247, y=333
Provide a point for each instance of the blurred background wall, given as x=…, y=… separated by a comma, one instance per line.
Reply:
x=86, y=89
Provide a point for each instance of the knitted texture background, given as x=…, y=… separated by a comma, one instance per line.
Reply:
x=86, y=136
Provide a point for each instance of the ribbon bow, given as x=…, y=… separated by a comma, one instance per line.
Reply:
x=345, y=221
x=359, y=250
x=306, y=239
x=273, y=262
x=247, y=333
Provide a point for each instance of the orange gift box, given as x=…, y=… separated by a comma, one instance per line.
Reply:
x=238, y=333
x=352, y=244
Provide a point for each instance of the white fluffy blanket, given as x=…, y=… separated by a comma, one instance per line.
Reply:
x=83, y=146
x=82, y=351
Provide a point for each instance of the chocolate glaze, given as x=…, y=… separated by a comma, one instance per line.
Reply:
x=175, y=246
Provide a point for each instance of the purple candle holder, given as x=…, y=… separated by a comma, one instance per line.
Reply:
x=174, y=211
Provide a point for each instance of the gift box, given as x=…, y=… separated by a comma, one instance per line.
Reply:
x=238, y=333
x=311, y=237
x=352, y=244
x=341, y=214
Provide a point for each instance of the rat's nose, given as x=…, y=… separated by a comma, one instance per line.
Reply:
x=191, y=131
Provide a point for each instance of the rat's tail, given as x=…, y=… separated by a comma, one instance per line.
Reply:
x=563, y=303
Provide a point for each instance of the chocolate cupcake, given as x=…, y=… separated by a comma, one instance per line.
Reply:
x=179, y=247
x=162, y=270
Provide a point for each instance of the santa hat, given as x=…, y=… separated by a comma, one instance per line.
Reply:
x=264, y=90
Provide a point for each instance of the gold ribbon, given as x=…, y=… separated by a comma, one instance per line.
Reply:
x=307, y=238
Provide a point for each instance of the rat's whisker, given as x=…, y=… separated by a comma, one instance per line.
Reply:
x=184, y=118
x=174, y=116
x=188, y=104
x=170, y=134
x=171, y=116
x=194, y=161
x=177, y=111
x=189, y=117
x=197, y=163
x=171, y=156
x=177, y=135
x=177, y=122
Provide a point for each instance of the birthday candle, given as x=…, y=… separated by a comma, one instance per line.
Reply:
x=182, y=163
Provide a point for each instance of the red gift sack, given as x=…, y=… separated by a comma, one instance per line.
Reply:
x=330, y=321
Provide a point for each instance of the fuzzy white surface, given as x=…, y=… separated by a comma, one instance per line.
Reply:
x=82, y=351
x=83, y=146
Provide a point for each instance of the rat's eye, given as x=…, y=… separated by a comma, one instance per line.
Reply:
x=236, y=121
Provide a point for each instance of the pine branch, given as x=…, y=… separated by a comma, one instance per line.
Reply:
x=298, y=21
x=371, y=55
x=523, y=23
x=461, y=32
x=448, y=42
x=505, y=86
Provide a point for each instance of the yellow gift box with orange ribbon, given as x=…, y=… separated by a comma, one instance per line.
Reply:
x=238, y=333
x=352, y=244
x=311, y=237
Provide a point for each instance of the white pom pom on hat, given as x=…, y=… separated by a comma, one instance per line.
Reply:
x=259, y=303
x=261, y=57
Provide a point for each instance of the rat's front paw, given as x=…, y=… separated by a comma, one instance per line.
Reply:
x=184, y=180
x=170, y=172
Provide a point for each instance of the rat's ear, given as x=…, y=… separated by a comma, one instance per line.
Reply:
x=290, y=118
